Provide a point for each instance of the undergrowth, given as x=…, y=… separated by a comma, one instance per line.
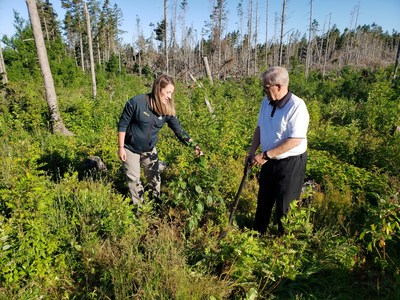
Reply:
x=67, y=234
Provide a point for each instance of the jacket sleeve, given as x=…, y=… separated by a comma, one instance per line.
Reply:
x=176, y=127
x=126, y=116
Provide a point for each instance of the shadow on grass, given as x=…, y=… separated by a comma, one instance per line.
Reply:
x=336, y=283
x=55, y=164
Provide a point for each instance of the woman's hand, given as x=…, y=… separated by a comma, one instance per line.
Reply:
x=122, y=153
x=198, y=151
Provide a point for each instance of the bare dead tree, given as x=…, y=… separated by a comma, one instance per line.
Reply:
x=350, y=38
x=91, y=58
x=275, y=49
x=45, y=23
x=166, y=37
x=357, y=35
x=396, y=64
x=288, y=48
x=240, y=54
x=55, y=116
x=81, y=49
x=80, y=29
x=283, y=19
x=266, y=34
x=327, y=45
x=321, y=46
x=3, y=73
x=255, y=39
x=184, y=38
x=139, y=44
x=182, y=16
x=208, y=71
x=249, y=35
x=173, y=44
x=98, y=54
x=308, y=54
x=220, y=30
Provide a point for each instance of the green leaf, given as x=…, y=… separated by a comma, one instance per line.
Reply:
x=199, y=208
x=198, y=189
x=6, y=247
x=201, y=161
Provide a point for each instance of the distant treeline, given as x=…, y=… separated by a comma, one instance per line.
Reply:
x=229, y=54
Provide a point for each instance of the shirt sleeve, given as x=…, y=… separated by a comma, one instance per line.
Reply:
x=260, y=113
x=126, y=116
x=298, y=122
x=176, y=127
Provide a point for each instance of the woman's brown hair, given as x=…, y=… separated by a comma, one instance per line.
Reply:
x=155, y=103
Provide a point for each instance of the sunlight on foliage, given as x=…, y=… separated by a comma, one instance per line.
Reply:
x=67, y=233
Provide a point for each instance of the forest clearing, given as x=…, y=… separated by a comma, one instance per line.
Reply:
x=69, y=231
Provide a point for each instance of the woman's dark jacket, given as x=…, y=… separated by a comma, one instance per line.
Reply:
x=142, y=125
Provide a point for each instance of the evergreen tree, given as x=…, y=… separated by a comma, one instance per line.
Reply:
x=48, y=20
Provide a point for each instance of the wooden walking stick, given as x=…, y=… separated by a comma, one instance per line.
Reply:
x=246, y=171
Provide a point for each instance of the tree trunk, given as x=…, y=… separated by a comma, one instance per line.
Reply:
x=184, y=40
x=51, y=98
x=166, y=37
x=266, y=34
x=327, y=45
x=89, y=33
x=396, y=64
x=3, y=73
x=255, y=39
x=240, y=49
x=308, y=54
x=282, y=31
x=249, y=35
x=173, y=51
x=208, y=71
x=98, y=53
x=220, y=19
x=45, y=26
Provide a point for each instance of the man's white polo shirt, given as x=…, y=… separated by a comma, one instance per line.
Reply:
x=289, y=121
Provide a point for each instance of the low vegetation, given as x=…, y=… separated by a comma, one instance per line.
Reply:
x=70, y=234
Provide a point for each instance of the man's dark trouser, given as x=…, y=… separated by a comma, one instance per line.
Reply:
x=280, y=182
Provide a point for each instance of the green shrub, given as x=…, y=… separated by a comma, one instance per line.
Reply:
x=65, y=235
x=380, y=235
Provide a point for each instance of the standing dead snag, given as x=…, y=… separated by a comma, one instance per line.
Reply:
x=208, y=70
x=89, y=33
x=396, y=64
x=3, y=73
x=51, y=98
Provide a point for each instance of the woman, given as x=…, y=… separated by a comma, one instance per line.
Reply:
x=143, y=116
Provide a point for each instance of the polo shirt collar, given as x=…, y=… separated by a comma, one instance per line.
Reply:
x=281, y=103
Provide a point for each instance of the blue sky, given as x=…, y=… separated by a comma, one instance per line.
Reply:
x=385, y=13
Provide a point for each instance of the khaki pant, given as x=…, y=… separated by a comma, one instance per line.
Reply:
x=150, y=164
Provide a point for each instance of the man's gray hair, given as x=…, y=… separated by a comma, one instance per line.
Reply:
x=276, y=75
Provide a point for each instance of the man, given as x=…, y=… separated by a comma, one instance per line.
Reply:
x=281, y=131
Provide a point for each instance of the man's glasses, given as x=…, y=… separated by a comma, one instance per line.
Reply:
x=268, y=86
